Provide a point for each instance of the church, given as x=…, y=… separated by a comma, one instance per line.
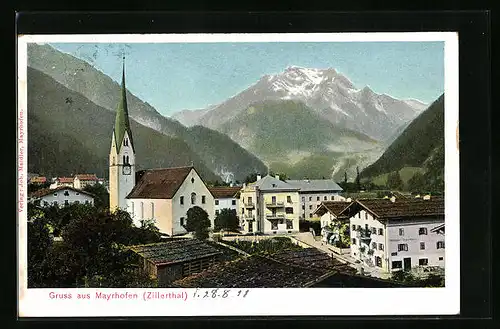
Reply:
x=163, y=195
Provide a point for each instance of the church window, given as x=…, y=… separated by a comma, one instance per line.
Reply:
x=182, y=221
x=114, y=160
x=203, y=199
x=182, y=199
x=66, y=193
x=124, y=159
x=152, y=210
x=192, y=180
x=193, y=198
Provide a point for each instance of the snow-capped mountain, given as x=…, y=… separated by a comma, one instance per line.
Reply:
x=328, y=92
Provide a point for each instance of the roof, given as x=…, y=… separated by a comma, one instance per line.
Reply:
x=176, y=251
x=315, y=185
x=38, y=179
x=65, y=179
x=86, y=177
x=385, y=208
x=270, y=183
x=159, y=183
x=334, y=207
x=224, y=191
x=122, y=123
x=47, y=191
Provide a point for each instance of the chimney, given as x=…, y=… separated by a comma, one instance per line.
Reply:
x=231, y=184
x=393, y=199
x=427, y=197
x=277, y=177
x=259, y=176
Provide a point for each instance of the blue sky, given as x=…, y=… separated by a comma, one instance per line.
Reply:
x=176, y=76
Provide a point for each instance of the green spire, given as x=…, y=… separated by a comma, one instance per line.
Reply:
x=122, y=123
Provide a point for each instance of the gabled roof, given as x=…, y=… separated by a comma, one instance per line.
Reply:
x=38, y=179
x=47, y=191
x=269, y=183
x=221, y=192
x=400, y=208
x=91, y=177
x=122, y=123
x=315, y=185
x=160, y=183
x=176, y=251
x=65, y=180
x=333, y=207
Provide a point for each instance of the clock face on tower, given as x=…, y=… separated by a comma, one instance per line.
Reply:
x=126, y=169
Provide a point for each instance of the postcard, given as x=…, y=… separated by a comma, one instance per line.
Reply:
x=238, y=174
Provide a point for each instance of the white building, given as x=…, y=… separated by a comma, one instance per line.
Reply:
x=269, y=206
x=225, y=197
x=62, y=181
x=397, y=234
x=121, y=156
x=329, y=214
x=61, y=196
x=165, y=196
x=314, y=191
x=83, y=180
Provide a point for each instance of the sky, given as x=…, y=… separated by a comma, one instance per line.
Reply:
x=177, y=76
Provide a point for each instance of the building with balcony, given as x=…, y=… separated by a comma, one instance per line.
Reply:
x=269, y=206
x=313, y=192
x=397, y=234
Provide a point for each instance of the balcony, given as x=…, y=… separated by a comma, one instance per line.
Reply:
x=280, y=204
x=275, y=216
x=249, y=205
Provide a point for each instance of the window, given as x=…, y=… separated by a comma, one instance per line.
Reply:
x=216, y=212
x=182, y=221
x=423, y=261
x=303, y=199
x=380, y=246
x=203, y=199
x=422, y=231
x=353, y=240
x=55, y=203
x=182, y=199
x=193, y=198
x=402, y=247
x=192, y=180
x=380, y=231
x=374, y=245
x=152, y=210
x=359, y=227
x=366, y=215
x=250, y=200
x=397, y=264
x=303, y=207
x=378, y=261
x=353, y=227
x=394, y=253
x=374, y=230
x=289, y=210
x=55, y=194
x=66, y=202
x=77, y=193
x=273, y=199
x=233, y=202
x=401, y=231
x=216, y=202
x=66, y=193
x=310, y=207
x=366, y=227
x=289, y=225
x=310, y=215
x=288, y=199
x=45, y=203
x=317, y=198
x=440, y=258
x=142, y=210
x=440, y=245
x=333, y=198
x=422, y=245
x=310, y=198
x=325, y=198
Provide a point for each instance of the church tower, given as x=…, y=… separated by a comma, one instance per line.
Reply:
x=121, y=155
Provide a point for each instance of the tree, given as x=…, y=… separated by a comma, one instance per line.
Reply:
x=358, y=181
x=197, y=221
x=226, y=220
x=417, y=183
x=101, y=199
x=283, y=176
x=394, y=181
x=251, y=178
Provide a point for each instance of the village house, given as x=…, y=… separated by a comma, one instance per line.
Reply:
x=173, y=260
x=397, y=234
x=314, y=191
x=269, y=206
x=38, y=180
x=62, y=181
x=61, y=196
x=329, y=214
x=225, y=197
x=83, y=180
x=165, y=195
